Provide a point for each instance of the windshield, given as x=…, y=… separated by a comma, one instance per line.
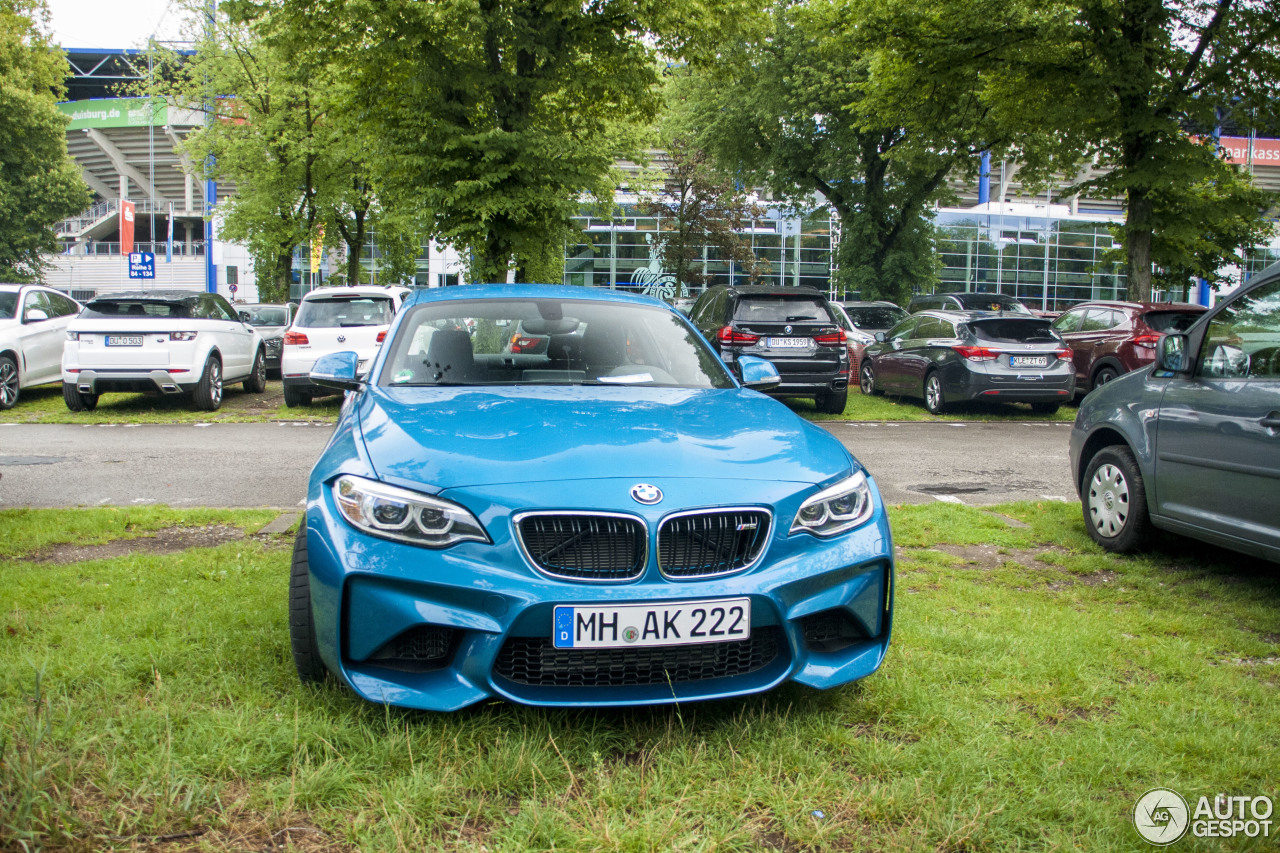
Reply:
x=113, y=308
x=266, y=315
x=1171, y=321
x=781, y=309
x=344, y=311
x=8, y=305
x=469, y=342
x=882, y=317
x=990, y=302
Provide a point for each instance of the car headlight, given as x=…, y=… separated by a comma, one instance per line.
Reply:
x=405, y=516
x=836, y=509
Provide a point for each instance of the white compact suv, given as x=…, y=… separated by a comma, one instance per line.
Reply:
x=160, y=342
x=335, y=319
x=33, y=325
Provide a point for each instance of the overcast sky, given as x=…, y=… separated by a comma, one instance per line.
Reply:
x=114, y=23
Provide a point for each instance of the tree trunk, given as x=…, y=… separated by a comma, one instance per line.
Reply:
x=1137, y=238
x=354, y=247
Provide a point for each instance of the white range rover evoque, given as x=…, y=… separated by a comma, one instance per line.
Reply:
x=160, y=342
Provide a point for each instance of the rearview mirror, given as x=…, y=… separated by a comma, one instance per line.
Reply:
x=880, y=338
x=1171, y=354
x=337, y=370
x=758, y=374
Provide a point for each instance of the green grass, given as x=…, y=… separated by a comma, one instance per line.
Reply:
x=1035, y=688
x=45, y=405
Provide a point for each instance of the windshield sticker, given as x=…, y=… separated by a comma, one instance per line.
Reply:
x=403, y=376
x=632, y=379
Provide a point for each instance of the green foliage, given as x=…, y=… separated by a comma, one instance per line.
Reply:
x=39, y=183
x=700, y=206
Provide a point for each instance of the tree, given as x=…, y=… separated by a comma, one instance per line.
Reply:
x=800, y=112
x=279, y=136
x=701, y=207
x=496, y=116
x=1133, y=86
x=39, y=183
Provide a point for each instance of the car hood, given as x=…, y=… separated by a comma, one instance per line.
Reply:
x=445, y=438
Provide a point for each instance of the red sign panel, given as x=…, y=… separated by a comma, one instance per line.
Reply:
x=1266, y=152
x=126, y=227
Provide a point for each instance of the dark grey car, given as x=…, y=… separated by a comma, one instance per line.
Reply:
x=270, y=320
x=949, y=356
x=1192, y=444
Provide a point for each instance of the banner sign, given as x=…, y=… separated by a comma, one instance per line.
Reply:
x=142, y=265
x=126, y=227
x=1265, y=151
x=115, y=112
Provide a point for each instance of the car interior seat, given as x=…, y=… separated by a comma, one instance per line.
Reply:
x=449, y=358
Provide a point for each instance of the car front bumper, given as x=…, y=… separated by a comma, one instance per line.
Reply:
x=479, y=620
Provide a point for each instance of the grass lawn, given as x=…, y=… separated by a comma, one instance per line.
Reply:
x=1035, y=688
x=45, y=405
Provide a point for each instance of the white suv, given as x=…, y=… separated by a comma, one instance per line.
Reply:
x=160, y=341
x=335, y=319
x=33, y=325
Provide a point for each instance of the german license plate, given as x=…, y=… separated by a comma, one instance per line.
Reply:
x=789, y=343
x=675, y=623
x=1028, y=361
x=124, y=340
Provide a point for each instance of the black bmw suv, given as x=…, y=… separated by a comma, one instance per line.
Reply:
x=793, y=327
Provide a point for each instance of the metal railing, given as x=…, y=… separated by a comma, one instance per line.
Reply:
x=76, y=224
x=95, y=248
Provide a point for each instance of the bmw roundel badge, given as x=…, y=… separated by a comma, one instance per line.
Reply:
x=646, y=494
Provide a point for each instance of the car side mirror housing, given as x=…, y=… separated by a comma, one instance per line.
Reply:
x=880, y=338
x=244, y=317
x=758, y=374
x=1172, y=355
x=337, y=370
x=35, y=315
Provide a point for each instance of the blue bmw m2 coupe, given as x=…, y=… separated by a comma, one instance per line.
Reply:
x=616, y=519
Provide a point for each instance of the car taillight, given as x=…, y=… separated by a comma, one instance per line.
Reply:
x=182, y=336
x=520, y=343
x=295, y=339
x=731, y=337
x=1063, y=353
x=1148, y=341
x=836, y=339
x=382, y=336
x=975, y=353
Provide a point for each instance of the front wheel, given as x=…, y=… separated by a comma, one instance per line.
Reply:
x=933, y=400
x=1114, y=500
x=302, y=623
x=76, y=401
x=833, y=402
x=867, y=379
x=8, y=383
x=208, y=394
x=1104, y=375
x=257, y=381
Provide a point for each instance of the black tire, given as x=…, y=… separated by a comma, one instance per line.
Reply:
x=1113, y=498
x=76, y=401
x=933, y=398
x=8, y=383
x=1103, y=375
x=257, y=381
x=867, y=379
x=295, y=397
x=1045, y=408
x=208, y=394
x=302, y=625
x=832, y=402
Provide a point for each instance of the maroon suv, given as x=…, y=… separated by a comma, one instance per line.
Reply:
x=1112, y=338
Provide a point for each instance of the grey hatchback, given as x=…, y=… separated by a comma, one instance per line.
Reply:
x=1192, y=444
x=948, y=356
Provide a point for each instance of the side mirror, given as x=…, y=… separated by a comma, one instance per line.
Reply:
x=337, y=370
x=244, y=317
x=35, y=315
x=758, y=374
x=880, y=338
x=1171, y=354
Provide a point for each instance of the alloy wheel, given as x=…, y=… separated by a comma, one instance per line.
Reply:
x=8, y=384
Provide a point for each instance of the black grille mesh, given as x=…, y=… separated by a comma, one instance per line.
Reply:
x=422, y=648
x=535, y=661
x=831, y=630
x=711, y=543
x=589, y=547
